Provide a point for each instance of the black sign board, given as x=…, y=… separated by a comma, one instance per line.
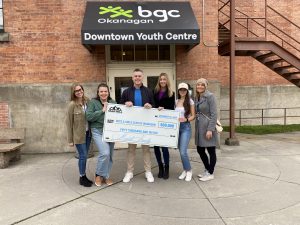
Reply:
x=139, y=23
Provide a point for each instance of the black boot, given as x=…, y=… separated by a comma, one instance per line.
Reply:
x=161, y=171
x=166, y=172
x=84, y=181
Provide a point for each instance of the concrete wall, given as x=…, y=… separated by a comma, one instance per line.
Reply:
x=263, y=97
x=41, y=109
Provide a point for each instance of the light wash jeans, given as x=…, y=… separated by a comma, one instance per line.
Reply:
x=185, y=133
x=83, y=150
x=106, y=150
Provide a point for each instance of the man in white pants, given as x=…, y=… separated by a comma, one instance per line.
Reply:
x=138, y=95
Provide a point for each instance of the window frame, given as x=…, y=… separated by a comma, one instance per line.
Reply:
x=108, y=56
x=2, y=16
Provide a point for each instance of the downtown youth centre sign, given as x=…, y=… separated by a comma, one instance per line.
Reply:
x=139, y=23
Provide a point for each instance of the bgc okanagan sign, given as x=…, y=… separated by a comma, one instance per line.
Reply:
x=163, y=15
x=139, y=23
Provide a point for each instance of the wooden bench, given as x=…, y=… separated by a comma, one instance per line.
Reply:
x=10, y=144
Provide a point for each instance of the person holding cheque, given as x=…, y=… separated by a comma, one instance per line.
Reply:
x=164, y=98
x=185, y=106
x=95, y=115
x=138, y=95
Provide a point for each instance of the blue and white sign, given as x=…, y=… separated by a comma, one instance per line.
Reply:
x=137, y=125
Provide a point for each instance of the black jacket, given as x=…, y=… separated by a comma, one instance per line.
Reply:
x=128, y=95
x=166, y=101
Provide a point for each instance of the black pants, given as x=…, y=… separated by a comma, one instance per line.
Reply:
x=210, y=163
x=166, y=155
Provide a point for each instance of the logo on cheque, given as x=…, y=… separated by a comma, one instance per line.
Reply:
x=115, y=109
x=115, y=11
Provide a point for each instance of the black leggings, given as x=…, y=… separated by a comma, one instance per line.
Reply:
x=208, y=164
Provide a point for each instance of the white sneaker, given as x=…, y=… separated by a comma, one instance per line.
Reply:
x=149, y=177
x=128, y=177
x=207, y=177
x=203, y=174
x=182, y=175
x=189, y=176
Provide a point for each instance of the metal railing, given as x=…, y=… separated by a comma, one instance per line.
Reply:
x=266, y=25
x=264, y=113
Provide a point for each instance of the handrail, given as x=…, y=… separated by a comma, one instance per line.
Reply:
x=283, y=41
x=262, y=117
x=283, y=16
x=265, y=25
x=224, y=4
x=284, y=32
x=235, y=9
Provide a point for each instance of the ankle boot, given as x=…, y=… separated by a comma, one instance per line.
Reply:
x=84, y=181
x=166, y=172
x=161, y=171
x=88, y=180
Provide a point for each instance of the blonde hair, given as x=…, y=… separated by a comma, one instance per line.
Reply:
x=202, y=81
x=158, y=87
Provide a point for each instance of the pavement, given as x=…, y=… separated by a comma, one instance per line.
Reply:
x=256, y=183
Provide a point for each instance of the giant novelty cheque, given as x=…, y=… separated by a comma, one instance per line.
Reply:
x=137, y=125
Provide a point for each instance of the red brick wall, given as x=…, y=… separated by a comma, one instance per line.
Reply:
x=45, y=44
x=205, y=61
x=4, y=116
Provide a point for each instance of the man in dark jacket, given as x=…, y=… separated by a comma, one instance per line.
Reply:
x=138, y=95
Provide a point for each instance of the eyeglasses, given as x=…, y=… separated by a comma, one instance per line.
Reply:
x=78, y=90
x=182, y=89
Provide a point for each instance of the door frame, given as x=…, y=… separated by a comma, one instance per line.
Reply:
x=150, y=69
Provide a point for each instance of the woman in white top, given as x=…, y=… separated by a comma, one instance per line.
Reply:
x=185, y=105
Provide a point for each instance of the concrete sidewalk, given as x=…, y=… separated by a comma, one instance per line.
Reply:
x=256, y=183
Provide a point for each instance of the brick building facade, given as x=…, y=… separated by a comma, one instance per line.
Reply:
x=44, y=54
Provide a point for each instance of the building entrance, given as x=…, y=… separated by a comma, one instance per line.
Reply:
x=119, y=76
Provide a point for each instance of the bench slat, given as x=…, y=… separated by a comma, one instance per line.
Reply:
x=7, y=147
x=12, y=133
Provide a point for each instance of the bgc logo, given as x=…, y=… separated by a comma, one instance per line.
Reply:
x=144, y=13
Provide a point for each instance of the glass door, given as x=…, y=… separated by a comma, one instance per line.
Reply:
x=121, y=83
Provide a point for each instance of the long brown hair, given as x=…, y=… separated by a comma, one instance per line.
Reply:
x=186, y=103
x=158, y=87
x=73, y=96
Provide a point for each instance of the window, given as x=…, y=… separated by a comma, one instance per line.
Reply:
x=130, y=53
x=1, y=17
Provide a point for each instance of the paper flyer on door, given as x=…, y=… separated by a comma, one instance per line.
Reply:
x=137, y=125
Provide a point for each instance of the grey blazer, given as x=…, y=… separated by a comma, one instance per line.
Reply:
x=206, y=105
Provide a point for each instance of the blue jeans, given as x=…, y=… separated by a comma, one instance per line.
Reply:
x=106, y=150
x=185, y=133
x=166, y=155
x=83, y=150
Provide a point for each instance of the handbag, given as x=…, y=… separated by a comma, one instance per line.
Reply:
x=219, y=127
